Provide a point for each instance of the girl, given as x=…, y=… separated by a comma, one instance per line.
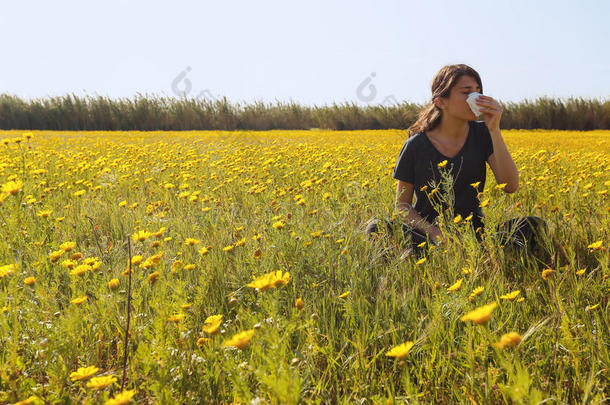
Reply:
x=446, y=133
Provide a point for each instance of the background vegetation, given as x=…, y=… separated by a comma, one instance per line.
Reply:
x=146, y=112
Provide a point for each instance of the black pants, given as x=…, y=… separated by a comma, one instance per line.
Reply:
x=521, y=233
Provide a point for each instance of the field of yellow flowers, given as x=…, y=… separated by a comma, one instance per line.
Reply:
x=252, y=280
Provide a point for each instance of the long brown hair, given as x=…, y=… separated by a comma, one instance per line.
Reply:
x=430, y=116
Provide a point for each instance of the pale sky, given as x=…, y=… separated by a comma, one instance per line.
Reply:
x=310, y=52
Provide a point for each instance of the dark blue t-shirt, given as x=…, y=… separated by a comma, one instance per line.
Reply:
x=418, y=164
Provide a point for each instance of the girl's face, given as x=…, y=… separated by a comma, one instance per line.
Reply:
x=456, y=105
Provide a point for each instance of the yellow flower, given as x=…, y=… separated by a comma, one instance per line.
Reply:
x=160, y=232
x=501, y=186
x=12, y=187
x=176, y=318
x=122, y=398
x=547, y=272
x=141, y=236
x=137, y=259
x=299, y=304
x=270, y=280
x=28, y=401
x=484, y=204
x=475, y=292
x=581, y=272
x=191, y=241
x=589, y=308
x=457, y=219
x=67, y=246
x=228, y=248
x=54, y=256
x=278, y=224
x=79, y=300
x=154, y=276
x=44, y=213
x=510, y=339
x=456, y=286
x=420, y=261
x=345, y=294
x=83, y=373
x=80, y=270
x=475, y=185
x=316, y=234
x=29, y=280
x=481, y=314
x=97, y=383
x=123, y=203
x=401, y=351
x=202, y=340
x=240, y=340
x=511, y=295
x=212, y=323
x=595, y=245
x=442, y=164
x=113, y=284
x=6, y=270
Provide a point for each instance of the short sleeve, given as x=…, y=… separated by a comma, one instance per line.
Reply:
x=405, y=165
x=486, y=141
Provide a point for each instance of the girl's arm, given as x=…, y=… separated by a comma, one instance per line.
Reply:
x=408, y=215
x=500, y=161
x=502, y=164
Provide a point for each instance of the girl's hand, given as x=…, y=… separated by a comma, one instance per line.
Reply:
x=492, y=111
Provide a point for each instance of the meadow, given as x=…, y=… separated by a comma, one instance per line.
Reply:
x=252, y=280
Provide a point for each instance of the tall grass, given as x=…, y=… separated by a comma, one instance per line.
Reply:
x=150, y=112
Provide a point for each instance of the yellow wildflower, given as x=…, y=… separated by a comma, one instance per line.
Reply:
x=176, y=318
x=481, y=314
x=455, y=286
x=154, y=276
x=12, y=187
x=122, y=398
x=97, y=383
x=67, y=246
x=547, y=272
x=510, y=339
x=511, y=295
x=113, y=284
x=240, y=340
x=401, y=351
x=29, y=280
x=141, y=236
x=79, y=300
x=191, y=241
x=80, y=270
x=32, y=399
x=345, y=294
x=212, y=323
x=299, y=304
x=596, y=245
x=6, y=270
x=83, y=373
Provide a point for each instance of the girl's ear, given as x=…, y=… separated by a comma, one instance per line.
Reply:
x=439, y=102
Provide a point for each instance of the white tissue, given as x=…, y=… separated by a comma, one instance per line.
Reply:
x=476, y=109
